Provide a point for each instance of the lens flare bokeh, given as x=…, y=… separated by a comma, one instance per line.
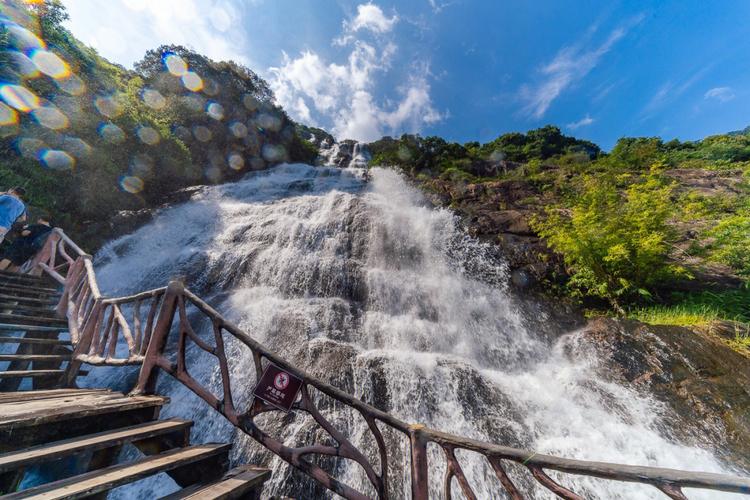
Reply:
x=236, y=161
x=50, y=117
x=175, y=64
x=108, y=106
x=131, y=184
x=215, y=111
x=50, y=64
x=192, y=81
x=148, y=135
x=111, y=133
x=19, y=97
x=56, y=159
x=153, y=99
x=8, y=115
x=238, y=129
x=203, y=134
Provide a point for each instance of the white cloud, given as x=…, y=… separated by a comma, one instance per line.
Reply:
x=721, y=94
x=670, y=91
x=123, y=30
x=437, y=7
x=586, y=120
x=371, y=17
x=342, y=95
x=570, y=65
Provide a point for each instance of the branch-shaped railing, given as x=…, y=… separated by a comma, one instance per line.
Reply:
x=96, y=324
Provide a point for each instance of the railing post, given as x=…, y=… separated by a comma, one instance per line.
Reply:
x=149, y=369
x=86, y=336
x=71, y=280
x=419, y=466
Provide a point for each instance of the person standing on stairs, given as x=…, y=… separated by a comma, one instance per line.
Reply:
x=27, y=245
x=12, y=210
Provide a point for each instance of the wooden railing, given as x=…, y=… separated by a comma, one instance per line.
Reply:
x=96, y=323
x=174, y=310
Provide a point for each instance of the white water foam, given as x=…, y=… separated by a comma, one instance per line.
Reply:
x=365, y=285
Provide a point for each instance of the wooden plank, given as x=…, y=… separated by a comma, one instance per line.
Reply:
x=31, y=373
x=7, y=339
x=7, y=296
x=20, y=275
x=42, y=411
x=21, y=319
x=29, y=290
x=105, y=479
x=35, y=357
x=235, y=484
x=35, y=287
x=24, y=308
x=25, y=396
x=10, y=327
x=92, y=442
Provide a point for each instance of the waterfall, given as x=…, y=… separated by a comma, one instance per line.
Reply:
x=368, y=287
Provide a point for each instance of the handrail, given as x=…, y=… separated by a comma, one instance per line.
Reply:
x=96, y=323
x=86, y=310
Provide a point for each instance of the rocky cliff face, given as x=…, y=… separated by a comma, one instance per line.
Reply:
x=501, y=212
x=694, y=373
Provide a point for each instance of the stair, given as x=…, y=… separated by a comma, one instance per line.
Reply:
x=40, y=429
x=24, y=290
x=30, y=373
x=237, y=483
x=30, y=340
x=34, y=357
x=110, y=477
x=8, y=296
x=74, y=436
x=93, y=442
x=27, y=304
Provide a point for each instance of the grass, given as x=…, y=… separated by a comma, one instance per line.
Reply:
x=701, y=309
x=698, y=309
x=678, y=315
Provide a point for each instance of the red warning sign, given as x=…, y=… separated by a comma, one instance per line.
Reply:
x=278, y=387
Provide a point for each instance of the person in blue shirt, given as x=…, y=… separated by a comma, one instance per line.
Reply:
x=12, y=210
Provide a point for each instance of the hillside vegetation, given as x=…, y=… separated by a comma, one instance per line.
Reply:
x=649, y=223
x=88, y=138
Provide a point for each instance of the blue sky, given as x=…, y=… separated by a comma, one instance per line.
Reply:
x=463, y=69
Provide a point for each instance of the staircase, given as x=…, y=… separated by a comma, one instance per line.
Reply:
x=28, y=321
x=58, y=442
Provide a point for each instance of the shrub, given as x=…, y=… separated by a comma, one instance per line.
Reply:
x=732, y=243
x=616, y=243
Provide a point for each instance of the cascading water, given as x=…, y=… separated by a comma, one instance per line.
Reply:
x=364, y=285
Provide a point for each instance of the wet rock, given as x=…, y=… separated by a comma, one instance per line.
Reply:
x=703, y=381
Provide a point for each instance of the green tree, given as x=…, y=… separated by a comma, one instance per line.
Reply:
x=616, y=243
